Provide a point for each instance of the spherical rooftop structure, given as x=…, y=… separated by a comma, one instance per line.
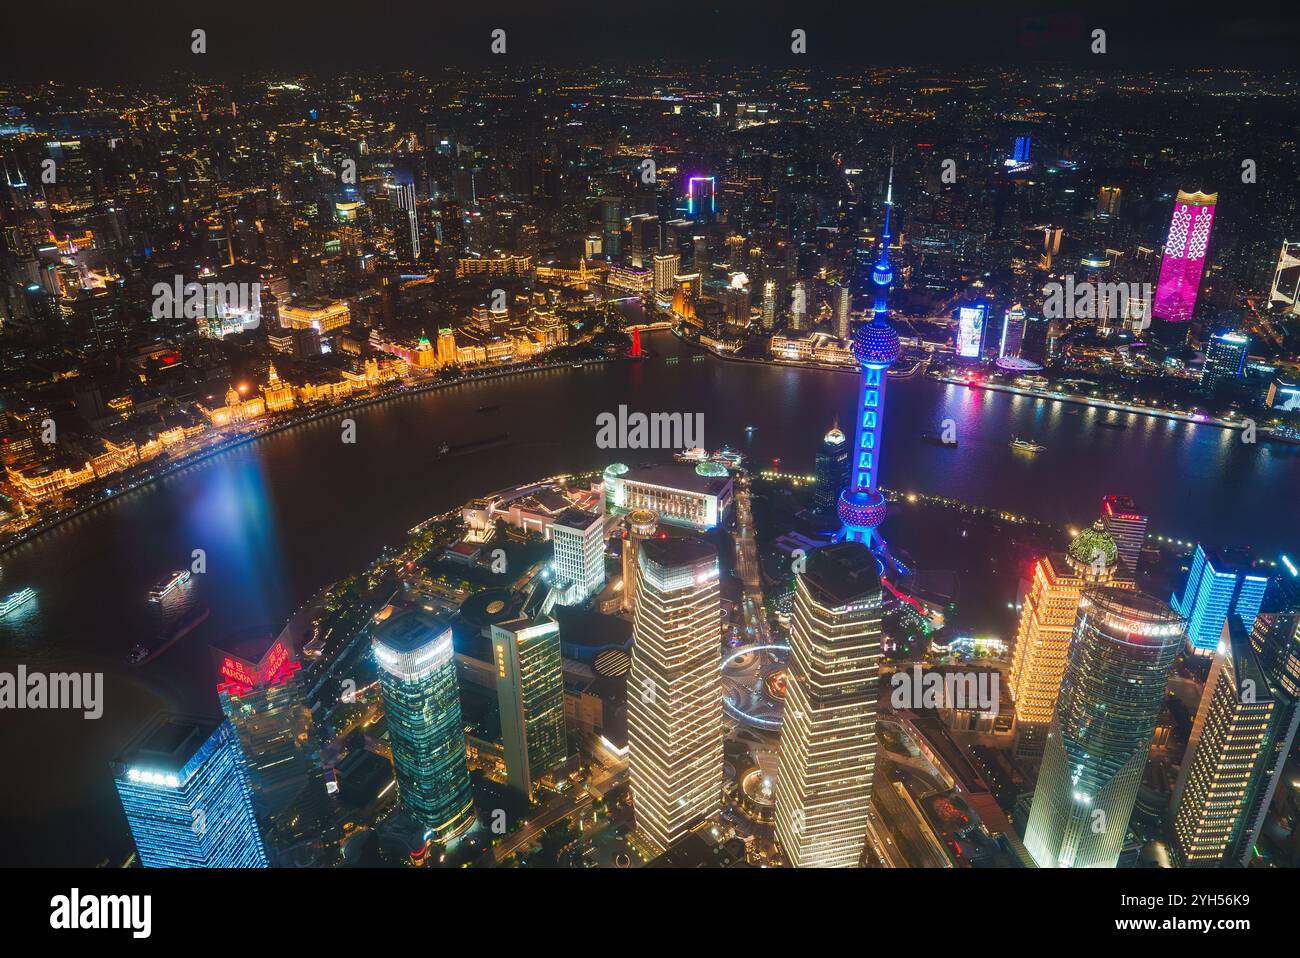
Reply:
x=1093, y=547
x=861, y=508
x=876, y=344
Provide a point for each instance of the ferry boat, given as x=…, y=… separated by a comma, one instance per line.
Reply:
x=21, y=597
x=1026, y=445
x=165, y=586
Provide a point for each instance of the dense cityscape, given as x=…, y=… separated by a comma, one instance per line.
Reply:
x=702, y=465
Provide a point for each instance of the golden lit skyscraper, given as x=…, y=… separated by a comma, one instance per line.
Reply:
x=828, y=734
x=1228, y=743
x=1046, y=623
x=675, y=691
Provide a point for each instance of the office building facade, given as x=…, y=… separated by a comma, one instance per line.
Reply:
x=675, y=728
x=530, y=698
x=1046, y=625
x=827, y=755
x=1219, y=584
x=1123, y=647
x=421, y=695
x=184, y=788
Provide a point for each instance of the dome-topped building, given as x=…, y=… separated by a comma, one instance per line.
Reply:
x=1094, y=549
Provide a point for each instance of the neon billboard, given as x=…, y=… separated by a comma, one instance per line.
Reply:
x=970, y=330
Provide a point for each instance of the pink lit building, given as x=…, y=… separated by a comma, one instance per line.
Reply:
x=1180, y=270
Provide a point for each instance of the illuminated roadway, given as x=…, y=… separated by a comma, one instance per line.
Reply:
x=564, y=806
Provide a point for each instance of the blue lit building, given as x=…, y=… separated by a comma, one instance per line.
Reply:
x=702, y=198
x=876, y=347
x=417, y=680
x=185, y=791
x=1218, y=585
x=1225, y=358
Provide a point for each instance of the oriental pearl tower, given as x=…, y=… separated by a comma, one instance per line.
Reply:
x=875, y=345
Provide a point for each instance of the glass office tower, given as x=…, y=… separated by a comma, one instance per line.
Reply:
x=185, y=791
x=1219, y=584
x=417, y=679
x=1123, y=648
x=530, y=696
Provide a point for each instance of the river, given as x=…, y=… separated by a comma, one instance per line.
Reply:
x=280, y=517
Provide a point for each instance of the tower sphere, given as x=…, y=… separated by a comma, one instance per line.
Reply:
x=876, y=344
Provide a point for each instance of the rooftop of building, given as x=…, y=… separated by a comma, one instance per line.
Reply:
x=168, y=740
x=408, y=631
x=251, y=645
x=842, y=573
x=678, y=551
x=674, y=475
x=575, y=518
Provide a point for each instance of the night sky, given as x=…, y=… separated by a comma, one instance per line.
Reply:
x=137, y=39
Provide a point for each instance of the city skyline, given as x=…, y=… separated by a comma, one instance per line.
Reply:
x=735, y=438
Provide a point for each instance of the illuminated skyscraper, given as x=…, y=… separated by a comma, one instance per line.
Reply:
x=831, y=469
x=1046, y=624
x=701, y=199
x=408, y=219
x=1013, y=332
x=530, y=695
x=667, y=266
x=579, y=540
x=1121, y=520
x=417, y=679
x=876, y=348
x=843, y=302
x=799, y=307
x=185, y=792
x=769, y=304
x=675, y=689
x=1219, y=584
x=1233, y=765
x=1184, y=256
x=261, y=693
x=1108, y=201
x=1123, y=647
x=1225, y=358
x=828, y=736
x=1229, y=742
